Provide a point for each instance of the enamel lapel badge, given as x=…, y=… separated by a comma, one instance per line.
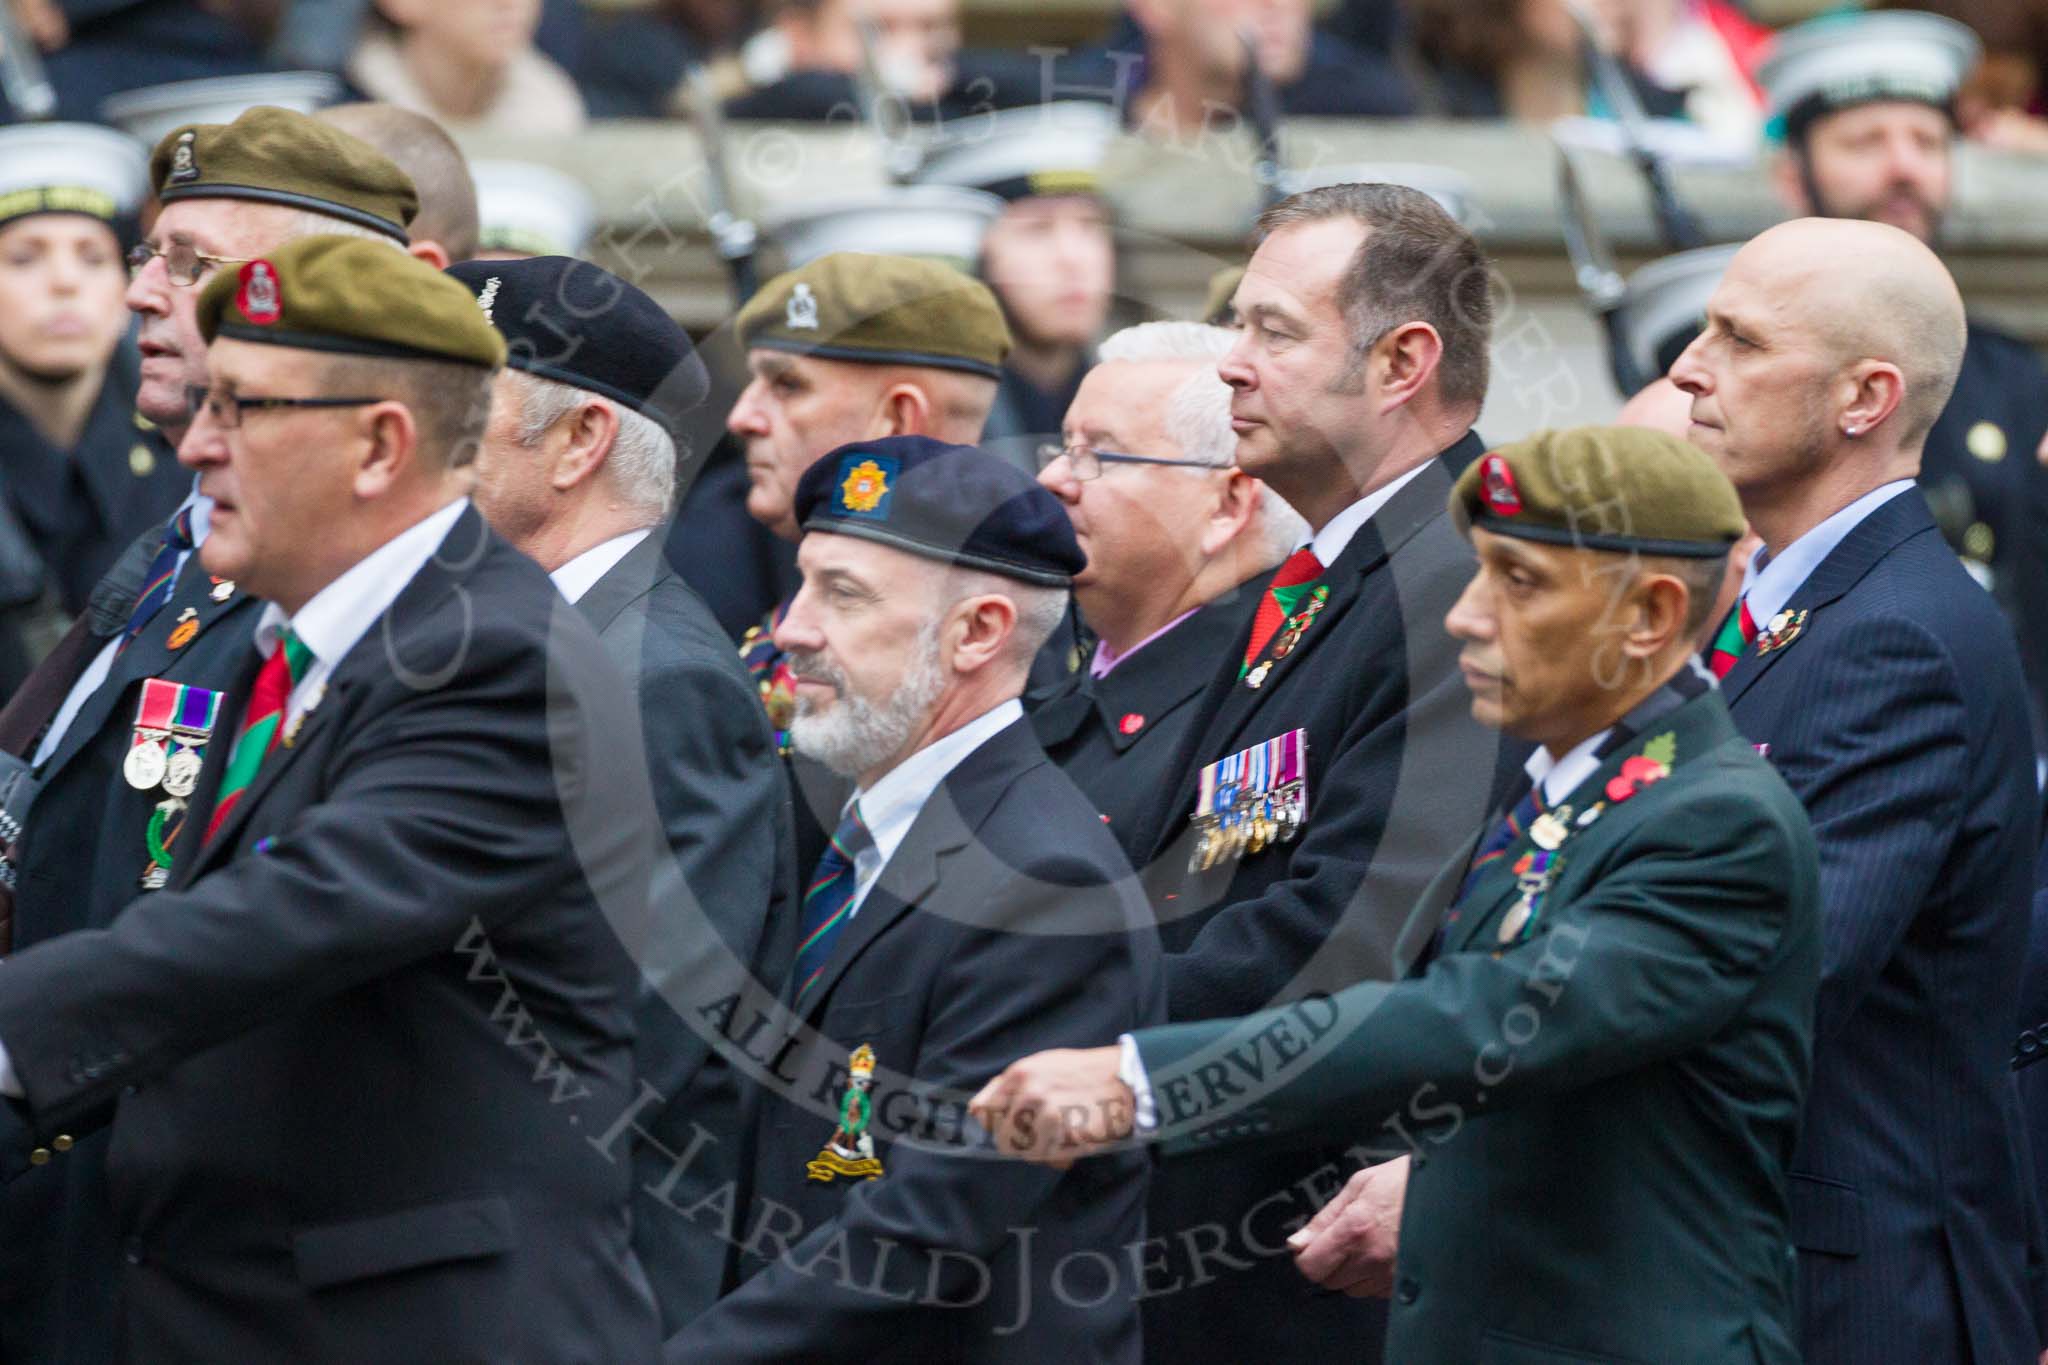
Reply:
x=1783, y=629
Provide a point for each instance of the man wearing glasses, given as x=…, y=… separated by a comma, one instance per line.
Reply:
x=1174, y=533
x=116, y=767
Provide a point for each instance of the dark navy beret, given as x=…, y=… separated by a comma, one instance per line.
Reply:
x=579, y=324
x=957, y=504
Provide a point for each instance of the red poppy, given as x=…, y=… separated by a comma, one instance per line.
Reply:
x=1637, y=772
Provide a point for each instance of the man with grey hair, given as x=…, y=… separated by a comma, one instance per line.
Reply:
x=577, y=468
x=1174, y=532
x=969, y=899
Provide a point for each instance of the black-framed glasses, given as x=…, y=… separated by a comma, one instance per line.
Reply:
x=225, y=410
x=185, y=263
x=1087, y=462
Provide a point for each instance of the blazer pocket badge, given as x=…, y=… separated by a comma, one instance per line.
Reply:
x=849, y=1154
x=1250, y=800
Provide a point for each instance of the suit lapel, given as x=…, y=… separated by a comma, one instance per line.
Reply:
x=625, y=583
x=460, y=550
x=946, y=823
x=1877, y=535
x=1230, y=706
x=150, y=656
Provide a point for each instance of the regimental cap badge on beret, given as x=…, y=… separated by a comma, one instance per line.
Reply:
x=802, y=313
x=1624, y=490
x=865, y=485
x=1497, y=482
x=184, y=163
x=950, y=503
x=258, y=296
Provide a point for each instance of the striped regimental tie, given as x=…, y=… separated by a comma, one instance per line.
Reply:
x=262, y=723
x=828, y=900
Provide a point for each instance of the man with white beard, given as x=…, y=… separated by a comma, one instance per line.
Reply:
x=970, y=903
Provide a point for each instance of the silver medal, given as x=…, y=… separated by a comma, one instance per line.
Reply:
x=144, y=766
x=181, y=773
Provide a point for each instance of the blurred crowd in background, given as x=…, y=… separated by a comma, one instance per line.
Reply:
x=548, y=66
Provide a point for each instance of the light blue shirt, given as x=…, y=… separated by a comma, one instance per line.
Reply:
x=1773, y=578
x=890, y=807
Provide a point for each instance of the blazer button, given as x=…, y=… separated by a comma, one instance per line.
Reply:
x=131, y=1251
x=61, y=1143
x=2030, y=1043
x=39, y=1157
x=1407, y=1291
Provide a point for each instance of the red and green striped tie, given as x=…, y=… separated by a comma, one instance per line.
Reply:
x=1290, y=584
x=1738, y=633
x=262, y=722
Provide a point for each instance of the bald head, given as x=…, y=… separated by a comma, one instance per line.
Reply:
x=1868, y=291
x=424, y=151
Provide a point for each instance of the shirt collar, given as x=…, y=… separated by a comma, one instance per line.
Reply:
x=201, y=508
x=1560, y=777
x=1773, y=577
x=342, y=612
x=1337, y=532
x=1107, y=658
x=580, y=574
x=890, y=807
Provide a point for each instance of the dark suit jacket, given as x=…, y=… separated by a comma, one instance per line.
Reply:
x=720, y=903
x=1604, y=1110
x=79, y=864
x=1991, y=495
x=1006, y=922
x=1898, y=717
x=1119, y=737
x=1398, y=775
x=356, y=1050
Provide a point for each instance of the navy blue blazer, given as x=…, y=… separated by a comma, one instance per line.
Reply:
x=1898, y=715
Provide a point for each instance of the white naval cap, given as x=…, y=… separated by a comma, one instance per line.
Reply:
x=71, y=168
x=531, y=210
x=1664, y=305
x=1840, y=60
x=153, y=111
x=1452, y=190
x=1053, y=148
x=938, y=221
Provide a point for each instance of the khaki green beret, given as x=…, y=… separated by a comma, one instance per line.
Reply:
x=275, y=156
x=353, y=296
x=881, y=310
x=1628, y=490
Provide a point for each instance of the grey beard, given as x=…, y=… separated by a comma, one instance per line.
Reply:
x=857, y=734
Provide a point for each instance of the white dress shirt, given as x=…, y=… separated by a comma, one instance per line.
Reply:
x=1773, y=577
x=329, y=625
x=580, y=574
x=342, y=612
x=891, y=806
x=1560, y=777
x=1335, y=537
x=103, y=663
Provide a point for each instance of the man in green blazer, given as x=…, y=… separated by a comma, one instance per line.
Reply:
x=1599, y=1056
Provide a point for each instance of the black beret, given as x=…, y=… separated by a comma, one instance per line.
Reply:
x=957, y=504
x=580, y=325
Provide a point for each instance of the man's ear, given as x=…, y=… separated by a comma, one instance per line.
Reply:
x=592, y=429
x=433, y=253
x=906, y=410
x=390, y=445
x=1406, y=359
x=984, y=625
x=1662, y=603
x=1237, y=502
